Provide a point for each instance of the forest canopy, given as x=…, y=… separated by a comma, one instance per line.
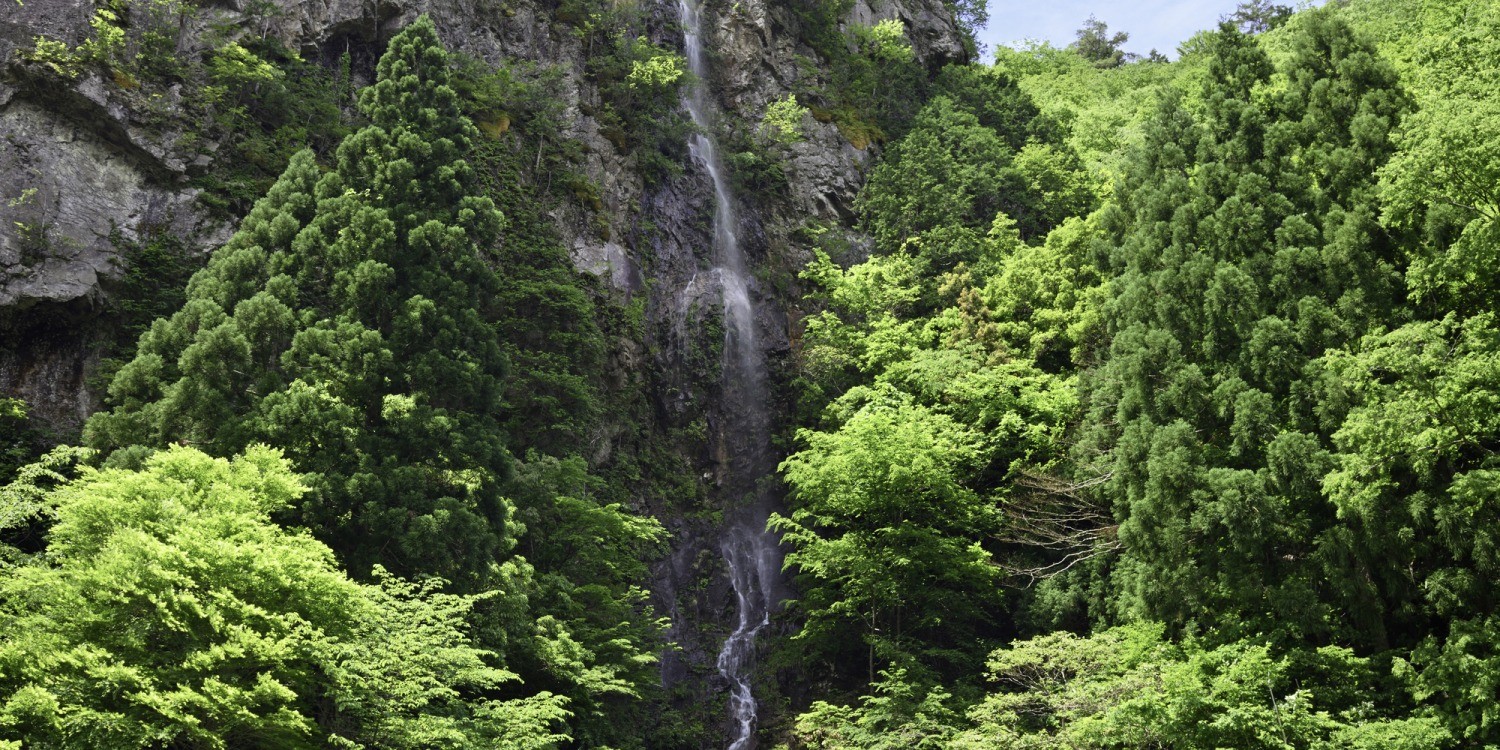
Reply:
x=1187, y=448
x=1132, y=403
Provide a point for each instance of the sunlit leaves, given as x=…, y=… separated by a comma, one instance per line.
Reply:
x=169, y=609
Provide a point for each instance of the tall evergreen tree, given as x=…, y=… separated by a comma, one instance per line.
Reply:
x=346, y=322
x=1247, y=244
x=357, y=322
x=1259, y=16
x=1095, y=44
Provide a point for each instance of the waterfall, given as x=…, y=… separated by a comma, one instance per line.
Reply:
x=750, y=553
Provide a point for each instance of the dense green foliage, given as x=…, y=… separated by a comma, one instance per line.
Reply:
x=345, y=317
x=18, y=441
x=169, y=611
x=1232, y=271
x=1127, y=687
x=428, y=367
x=1159, y=409
x=1214, y=458
x=1100, y=47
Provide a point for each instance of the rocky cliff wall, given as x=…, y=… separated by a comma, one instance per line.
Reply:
x=86, y=160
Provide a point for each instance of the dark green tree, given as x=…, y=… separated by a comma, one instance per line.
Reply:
x=998, y=102
x=18, y=439
x=949, y=172
x=360, y=322
x=1247, y=244
x=983, y=151
x=1095, y=44
x=348, y=322
x=1259, y=16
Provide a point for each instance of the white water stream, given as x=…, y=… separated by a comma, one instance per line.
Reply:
x=750, y=552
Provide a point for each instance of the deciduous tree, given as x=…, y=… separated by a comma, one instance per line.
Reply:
x=170, y=611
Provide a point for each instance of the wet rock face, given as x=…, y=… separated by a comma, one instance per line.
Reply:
x=93, y=166
x=65, y=20
x=86, y=166
x=935, y=37
x=753, y=47
x=46, y=358
x=757, y=48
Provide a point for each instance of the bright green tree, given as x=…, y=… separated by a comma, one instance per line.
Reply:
x=885, y=532
x=170, y=611
x=895, y=714
x=1416, y=479
x=1444, y=182
x=1415, y=473
x=902, y=497
x=1129, y=687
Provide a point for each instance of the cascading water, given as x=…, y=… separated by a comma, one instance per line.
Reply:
x=750, y=552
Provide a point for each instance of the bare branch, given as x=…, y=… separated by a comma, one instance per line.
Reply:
x=1061, y=519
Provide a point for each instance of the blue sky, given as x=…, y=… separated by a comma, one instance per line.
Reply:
x=1162, y=24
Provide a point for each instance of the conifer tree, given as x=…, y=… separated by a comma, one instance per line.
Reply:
x=346, y=323
x=1258, y=16
x=1098, y=46
x=357, y=322
x=1247, y=245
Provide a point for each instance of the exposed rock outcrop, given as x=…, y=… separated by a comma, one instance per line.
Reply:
x=67, y=191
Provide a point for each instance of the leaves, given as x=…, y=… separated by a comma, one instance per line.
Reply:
x=169, y=608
